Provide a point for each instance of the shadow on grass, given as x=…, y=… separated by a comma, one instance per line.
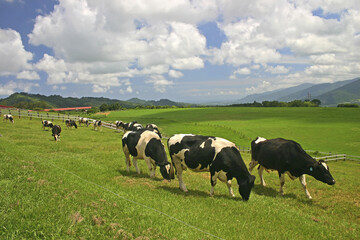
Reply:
x=133, y=174
x=271, y=192
x=195, y=193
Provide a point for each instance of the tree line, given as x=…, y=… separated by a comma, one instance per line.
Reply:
x=294, y=103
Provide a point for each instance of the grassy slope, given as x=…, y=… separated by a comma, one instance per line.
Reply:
x=41, y=196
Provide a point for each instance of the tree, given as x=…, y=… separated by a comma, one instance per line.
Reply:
x=317, y=102
x=104, y=107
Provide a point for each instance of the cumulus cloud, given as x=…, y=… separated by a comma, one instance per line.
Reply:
x=28, y=75
x=12, y=86
x=278, y=69
x=159, y=82
x=175, y=74
x=13, y=56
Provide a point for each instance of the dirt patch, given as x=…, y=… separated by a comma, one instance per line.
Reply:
x=98, y=221
x=76, y=218
x=103, y=113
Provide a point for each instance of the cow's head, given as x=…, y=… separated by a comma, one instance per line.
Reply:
x=320, y=171
x=245, y=187
x=166, y=171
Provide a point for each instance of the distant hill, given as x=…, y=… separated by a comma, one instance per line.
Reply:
x=274, y=95
x=330, y=94
x=57, y=101
x=349, y=93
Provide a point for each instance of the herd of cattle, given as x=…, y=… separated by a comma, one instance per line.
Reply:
x=216, y=155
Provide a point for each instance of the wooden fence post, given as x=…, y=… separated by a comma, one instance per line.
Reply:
x=19, y=113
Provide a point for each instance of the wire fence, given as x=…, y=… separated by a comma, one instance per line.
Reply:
x=326, y=156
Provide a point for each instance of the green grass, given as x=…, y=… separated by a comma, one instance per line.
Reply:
x=78, y=188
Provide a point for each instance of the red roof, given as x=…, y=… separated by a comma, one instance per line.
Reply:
x=67, y=109
x=3, y=106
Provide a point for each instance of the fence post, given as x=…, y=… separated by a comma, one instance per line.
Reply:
x=19, y=113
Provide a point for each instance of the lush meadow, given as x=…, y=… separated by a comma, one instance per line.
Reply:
x=78, y=188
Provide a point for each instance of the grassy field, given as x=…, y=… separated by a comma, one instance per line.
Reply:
x=78, y=188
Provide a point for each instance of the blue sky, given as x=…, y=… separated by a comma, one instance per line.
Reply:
x=190, y=51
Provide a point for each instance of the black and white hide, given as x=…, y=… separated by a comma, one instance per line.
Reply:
x=56, y=130
x=287, y=157
x=70, y=123
x=217, y=155
x=154, y=128
x=85, y=121
x=97, y=124
x=120, y=125
x=147, y=145
x=47, y=124
x=8, y=117
x=134, y=126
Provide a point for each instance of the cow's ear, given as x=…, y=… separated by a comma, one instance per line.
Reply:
x=321, y=161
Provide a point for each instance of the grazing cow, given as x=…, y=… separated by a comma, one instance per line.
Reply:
x=217, y=155
x=56, y=130
x=120, y=125
x=134, y=126
x=287, y=156
x=8, y=117
x=70, y=123
x=84, y=120
x=147, y=145
x=154, y=128
x=97, y=124
x=46, y=123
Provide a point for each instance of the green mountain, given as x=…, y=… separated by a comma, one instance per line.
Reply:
x=57, y=101
x=349, y=93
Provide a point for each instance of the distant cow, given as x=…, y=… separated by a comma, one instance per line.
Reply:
x=84, y=121
x=70, y=123
x=217, y=155
x=134, y=126
x=97, y=124
x=287, y=156
x=147, y=145
x=154, y=128
x=120, y=125
x=8, y=117
x=46, y=123
x=56, y=130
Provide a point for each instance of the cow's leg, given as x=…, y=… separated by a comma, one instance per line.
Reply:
x=136, y=165
x=179, y=169
x=303, y=183
x=151, y=168
x=282, y=182
x=260, y=171
x=252, y=164
x=213, y=178
x=127, y=160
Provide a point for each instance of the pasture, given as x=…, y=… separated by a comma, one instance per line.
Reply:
x=78, y=188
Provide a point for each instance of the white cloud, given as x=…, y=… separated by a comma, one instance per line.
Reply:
x=160, y=83
x=28, y=75
x=262, y=87
x=175, y=74
x=13, y=56
x=12, y=86
x=278, y=69
x=100, y=89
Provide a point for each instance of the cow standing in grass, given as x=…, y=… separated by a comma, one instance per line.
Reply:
x=97, y=124
x=56, y=130
x=8, y=117
x=287, y=157
x=70, y=123
x=84, y=121
x=147, y=145
x=46, y=123
x=154, y=128
x=217, y=155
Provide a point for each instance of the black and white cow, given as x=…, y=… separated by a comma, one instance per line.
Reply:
x=56, y=130
x=46, y=123
x=217, y=155
x=84, y=121
x=8, y=117
x=97, y=124
x=120, y=125
x=134, y=126
x=147, y=145
x=154, y=128
x=70, y=123
x=287, y=156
